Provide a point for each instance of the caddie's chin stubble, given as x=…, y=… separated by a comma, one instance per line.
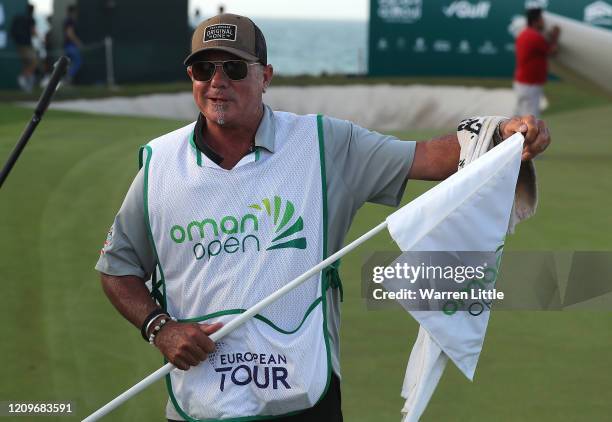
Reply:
x=220, y=111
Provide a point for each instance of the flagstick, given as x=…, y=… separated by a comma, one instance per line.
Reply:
x=235, y=323
x=60, y=68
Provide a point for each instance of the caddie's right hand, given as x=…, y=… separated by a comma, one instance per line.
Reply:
x=186, y=345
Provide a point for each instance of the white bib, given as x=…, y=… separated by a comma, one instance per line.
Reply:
x=225, y=239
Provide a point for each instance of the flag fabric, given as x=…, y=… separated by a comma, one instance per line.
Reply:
x=469, y=211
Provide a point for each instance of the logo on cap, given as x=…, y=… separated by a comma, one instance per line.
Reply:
x=222, y=31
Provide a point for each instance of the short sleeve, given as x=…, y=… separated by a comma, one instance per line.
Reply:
x=127, y=249
x=373, y=166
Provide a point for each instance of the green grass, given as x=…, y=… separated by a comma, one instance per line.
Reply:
x=535, y=366
x=62, y=340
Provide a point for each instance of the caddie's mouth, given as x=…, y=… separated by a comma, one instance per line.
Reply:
x=218, y=100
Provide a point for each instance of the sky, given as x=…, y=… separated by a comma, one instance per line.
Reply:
x=305, y=9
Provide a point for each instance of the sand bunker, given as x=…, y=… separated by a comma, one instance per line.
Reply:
x=383, y=107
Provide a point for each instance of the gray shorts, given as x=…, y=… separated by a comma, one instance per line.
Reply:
x=28, y=56
x=528, y=98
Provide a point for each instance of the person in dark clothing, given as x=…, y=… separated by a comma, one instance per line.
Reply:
x=48, y=65
x=72, y=43
x=23, y=28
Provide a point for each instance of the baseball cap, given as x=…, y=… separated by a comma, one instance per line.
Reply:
x=235, y=34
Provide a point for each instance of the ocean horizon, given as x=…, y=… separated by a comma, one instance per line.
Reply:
x=315, y=47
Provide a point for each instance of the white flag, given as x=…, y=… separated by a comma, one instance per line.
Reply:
x=469, y=211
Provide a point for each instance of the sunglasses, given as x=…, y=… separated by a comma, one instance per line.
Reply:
x=236, y=70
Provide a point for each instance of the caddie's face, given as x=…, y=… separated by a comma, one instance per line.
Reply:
x=226, y=102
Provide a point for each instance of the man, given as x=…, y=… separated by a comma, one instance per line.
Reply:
x=232, y=207
x=23, y=28
x=532, y=51
x=72, y=43
x=48, y=42
x=195, y=20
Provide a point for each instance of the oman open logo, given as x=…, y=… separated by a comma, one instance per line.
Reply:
x=280, y=241
x=210, y=237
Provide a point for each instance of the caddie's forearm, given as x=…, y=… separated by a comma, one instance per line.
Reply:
x=130, y=296
x=435, y=159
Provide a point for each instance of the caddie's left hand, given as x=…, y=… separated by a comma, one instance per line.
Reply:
x=536, y=133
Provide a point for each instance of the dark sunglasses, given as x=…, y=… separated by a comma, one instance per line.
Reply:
x=236, y=70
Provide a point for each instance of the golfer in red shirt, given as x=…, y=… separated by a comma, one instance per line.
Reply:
x=532, y=51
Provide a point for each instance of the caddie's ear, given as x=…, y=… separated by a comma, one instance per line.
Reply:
x=268, y=74
x=190, y=73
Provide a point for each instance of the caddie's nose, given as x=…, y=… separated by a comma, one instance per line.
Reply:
x=219, y=79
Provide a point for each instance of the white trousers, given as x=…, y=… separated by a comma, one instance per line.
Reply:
x=528, y=98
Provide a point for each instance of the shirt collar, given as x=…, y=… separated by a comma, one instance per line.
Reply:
x=266, y=133
x=264, y=137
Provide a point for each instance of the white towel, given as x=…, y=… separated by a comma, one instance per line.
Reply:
x=427, y=360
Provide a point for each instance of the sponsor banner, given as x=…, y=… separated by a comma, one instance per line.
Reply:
x=460, y=37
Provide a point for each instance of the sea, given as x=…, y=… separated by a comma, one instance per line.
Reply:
x=315, y=47
x=306, y=47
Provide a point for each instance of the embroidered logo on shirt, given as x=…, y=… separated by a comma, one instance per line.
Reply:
x=108, y=242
